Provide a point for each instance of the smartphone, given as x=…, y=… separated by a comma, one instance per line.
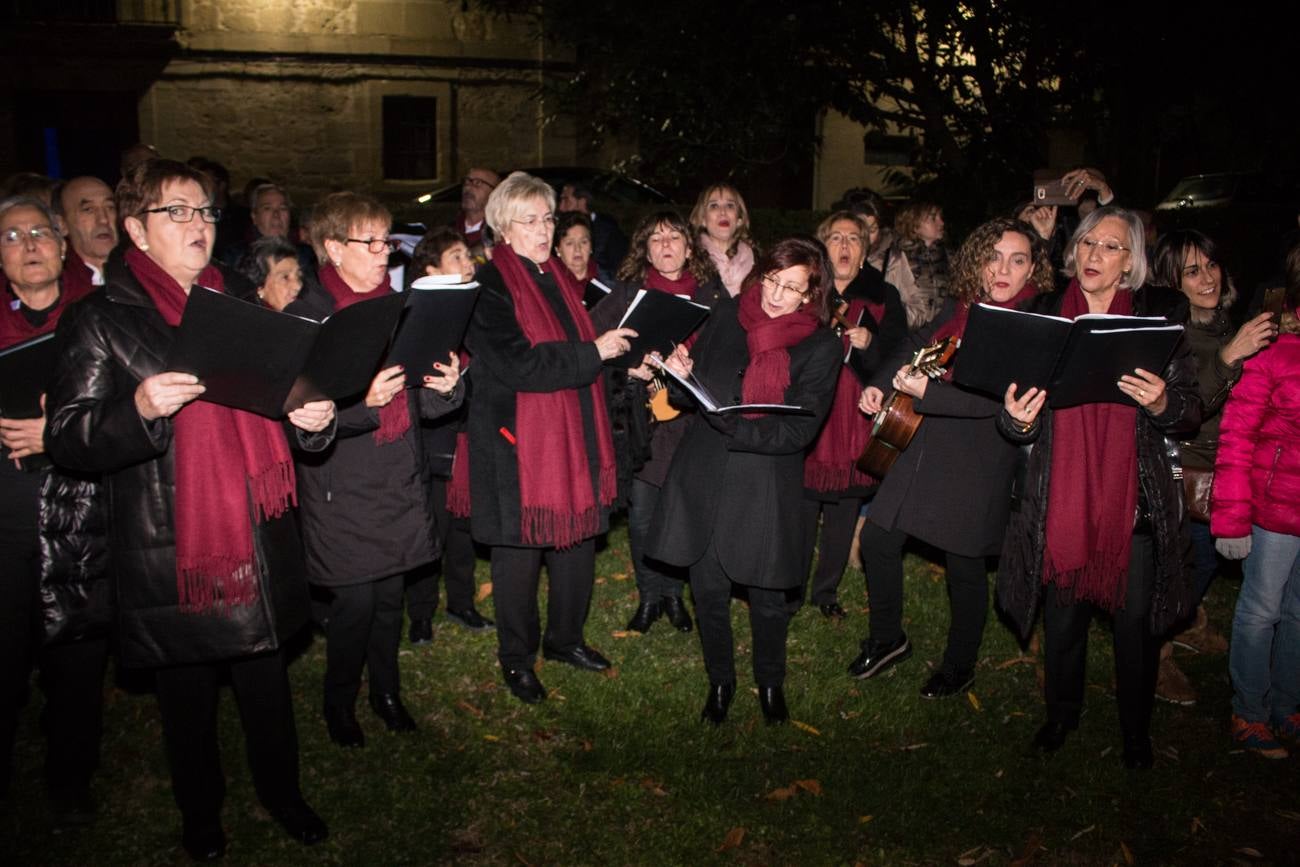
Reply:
x=1274, y=297
x=1051, y=192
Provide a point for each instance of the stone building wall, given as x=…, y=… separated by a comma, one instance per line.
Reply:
x=293, y=90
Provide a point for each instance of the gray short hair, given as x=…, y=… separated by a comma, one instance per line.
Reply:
x=509, y=196
x=9, y=203
x=262, y=189
x=1136, y=243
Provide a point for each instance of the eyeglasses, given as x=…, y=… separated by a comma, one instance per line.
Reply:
x=771, y=281
x=841, y=238
x=479, y=182
x=376, y=245
x=185, y=213
x=36, y=234
x=1105, y=248
x=532, y=224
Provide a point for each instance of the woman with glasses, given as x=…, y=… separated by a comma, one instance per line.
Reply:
x=951, y=487
x=731, y=507
x=72, y=574
x=662, y=258
x=1100, y=524
x=871, y=324
x=542, y=473
x=207, y=558
x=365, y=515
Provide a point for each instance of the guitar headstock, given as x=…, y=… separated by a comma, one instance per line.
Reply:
x=931, y=359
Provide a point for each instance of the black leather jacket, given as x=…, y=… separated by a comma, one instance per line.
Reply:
x=1020, y=571
x=109, y=343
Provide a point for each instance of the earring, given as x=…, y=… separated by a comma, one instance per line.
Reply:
x=144, y=248
x=336, y=262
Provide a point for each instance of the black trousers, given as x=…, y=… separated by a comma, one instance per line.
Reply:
x=515, y=575
x=838, y=519
x=187, y=697
x=364, y=631
x=71, y=677
x=1065, y=649
x=769, y=619
x=456, y=564
x=654, y=580
x=968, y=595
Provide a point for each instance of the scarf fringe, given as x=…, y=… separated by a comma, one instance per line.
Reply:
x=1101, y=581
x=273, y=491
x=217, y=582
x=394, y=421
x=458, y=497
x=834, y=477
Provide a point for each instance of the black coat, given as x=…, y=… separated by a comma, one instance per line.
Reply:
x=365, y=513
x=505, y=364
x=951, y=487
x=1160, y=495
x=738, y=482
x=108, y=343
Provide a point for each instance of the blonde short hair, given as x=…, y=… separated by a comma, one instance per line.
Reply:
x=507, y=200
x=334, y=216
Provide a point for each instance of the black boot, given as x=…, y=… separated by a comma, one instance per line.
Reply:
x=719, y=700
x=646, y=614
x=772, y=700
x=675, y=610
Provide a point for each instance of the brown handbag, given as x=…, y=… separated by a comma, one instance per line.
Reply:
x=1197, y=482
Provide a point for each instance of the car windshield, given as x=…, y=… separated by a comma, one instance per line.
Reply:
x=1200, y=189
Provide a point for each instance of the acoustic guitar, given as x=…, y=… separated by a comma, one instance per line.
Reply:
x=897, y=422
x=658, y=403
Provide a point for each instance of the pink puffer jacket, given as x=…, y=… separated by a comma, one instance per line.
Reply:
x=1257, y=471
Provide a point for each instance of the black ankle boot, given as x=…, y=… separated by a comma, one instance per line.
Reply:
x=719, y=700
x=772, y=700
x=646, y=614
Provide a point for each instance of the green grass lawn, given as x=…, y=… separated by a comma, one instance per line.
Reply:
x=616, y=769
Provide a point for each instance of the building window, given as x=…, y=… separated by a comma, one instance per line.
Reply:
x=410, y=137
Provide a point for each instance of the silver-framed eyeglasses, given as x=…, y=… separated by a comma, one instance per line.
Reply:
x=1105, y=248
x=775, y=285
x=185, y=213
x=376, y=245
x=532, y=224
x=18, y=237
x=836, y=238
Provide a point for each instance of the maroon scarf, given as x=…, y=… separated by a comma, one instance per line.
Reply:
x=14, y=327
x=458, y=486
x=769, y=341
x=222, y=457
x=683, y=285
x=1093, y=489
x=76, y=273
x=557, y=504
x=831, y=465
x=394, y=416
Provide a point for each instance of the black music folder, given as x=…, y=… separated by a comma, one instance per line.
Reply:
x=254, y=358
x=1076, y=361
x=25, y=370
x=595, y=293
x=433, y=326
x=661, y=321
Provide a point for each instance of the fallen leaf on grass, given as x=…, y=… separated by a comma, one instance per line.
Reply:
x=484, y=591
x=1029, y=853
x=862, y=820
x=1197, y=825
x=734, y=838
x=969, y=857
x=1127, y=853
x=619, y=576
x=654, y=787
x=1285, y=814
x=1086, y=830
x=522, y=860
x=784, y=793
x=491, y=738
x=850, y=714
x=625, y=633
x=611, y=672
x=586, y=745
x=974, y=702
x=804, y=727
x=812, y=787
x=1016, y=660
x=910, y=747
x=470, y=709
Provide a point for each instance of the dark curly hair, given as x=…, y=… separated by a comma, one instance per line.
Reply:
x=967, y=281
x=637, y=262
